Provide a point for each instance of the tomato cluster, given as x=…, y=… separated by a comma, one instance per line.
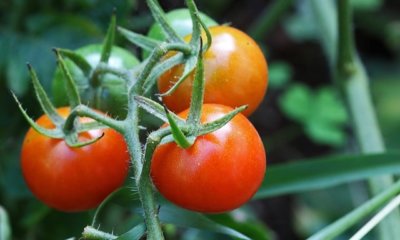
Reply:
x=219, y=172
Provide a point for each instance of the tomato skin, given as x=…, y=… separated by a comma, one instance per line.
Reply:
x=110, y=95
x=221, y=171
x=236, y=73
x=73, y=179
x=180, y=21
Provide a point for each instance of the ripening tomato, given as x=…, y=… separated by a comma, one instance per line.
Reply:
x=180, y=21
x=73, y=179
x=110, y=95
x=235, y=73
x=221, y=171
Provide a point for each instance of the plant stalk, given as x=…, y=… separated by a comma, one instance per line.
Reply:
x=351, y=76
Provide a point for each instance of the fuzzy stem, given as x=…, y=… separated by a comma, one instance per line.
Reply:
x=145, y=189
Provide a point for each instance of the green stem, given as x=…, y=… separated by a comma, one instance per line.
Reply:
x=338, y=42
x=145, y=188
x=85, y=111
x=91, y=233
x=268, y=18
x=104, y=68
x=351, y=75
x=344, y=223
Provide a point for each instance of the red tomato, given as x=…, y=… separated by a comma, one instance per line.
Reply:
x=73, y=179
x=235, y=73
x=221, y=171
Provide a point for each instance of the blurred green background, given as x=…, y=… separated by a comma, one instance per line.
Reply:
x=302, y=115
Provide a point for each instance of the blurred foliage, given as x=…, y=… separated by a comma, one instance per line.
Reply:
x=301, y=105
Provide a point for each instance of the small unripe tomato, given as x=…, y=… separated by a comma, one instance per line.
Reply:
x=109, y=94
x=235, y=69
x=73, y=179
x=221, y=171
x=180, y=21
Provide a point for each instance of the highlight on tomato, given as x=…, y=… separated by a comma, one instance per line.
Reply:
x=221, y=171
x=236, y=73
x=73, y=179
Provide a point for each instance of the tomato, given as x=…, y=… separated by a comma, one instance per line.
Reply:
x=235, y=73
x=110, y=95
x=219, y=172
x=180, y=21
x=73, y=179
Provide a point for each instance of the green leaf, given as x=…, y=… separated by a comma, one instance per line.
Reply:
x=220, y=122
x=366, y=4
x=5, y=227
x=325, y=172
x=329, y=106
x=160, y=68
x=196, y=101
x=184, y=218
x=297, y=102
x=139, y=39
x=134, y=234
x=109, y=40
x=341, y=225
x=323, y=132
x=78, y=59
x=155, y=109
x=179, y=137
x=52, y=133
x=279, y=74
x=188, y=69
x=159, y=16
x=244, y=221
x=70, y=85
x=44, y=100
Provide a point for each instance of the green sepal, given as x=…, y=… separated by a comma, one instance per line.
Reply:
x=189, y=67
x=160, y=69
x=156, y=109
x=194, y=14
x=177, y=133
x=90, y=232
x=44, y=100
x=208, y=43
x=196, y=101
x=78, y=60
x=84, y=127
x=139, y=39
x=109, y=40
x=73, y=141
x=167, y=139
x=220, y=122
x=134, y=233
x=159, y=16
x=70, y=86
x=52, y=133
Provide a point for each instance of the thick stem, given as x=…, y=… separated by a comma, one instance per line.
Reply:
x=351, y=76
x=146, y=192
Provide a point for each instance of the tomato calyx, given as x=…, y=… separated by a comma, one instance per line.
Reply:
x=67, y=129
